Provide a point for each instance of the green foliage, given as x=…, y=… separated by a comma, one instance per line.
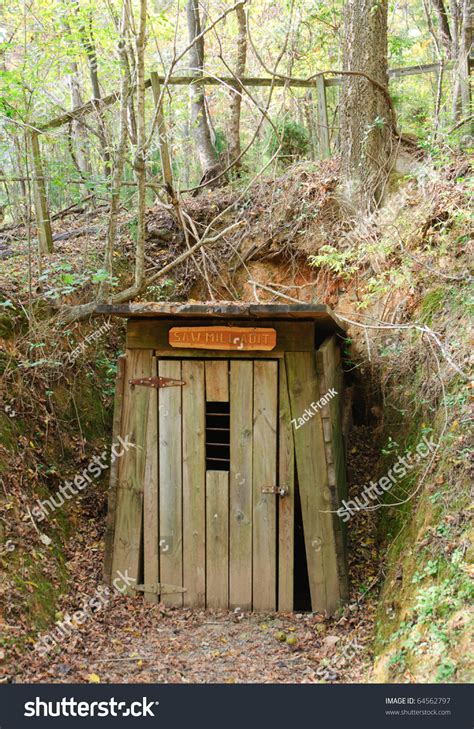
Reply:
x=220, y=141
x=62, y=280
x=290, y=140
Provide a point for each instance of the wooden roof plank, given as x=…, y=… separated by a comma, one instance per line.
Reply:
x=225, y=310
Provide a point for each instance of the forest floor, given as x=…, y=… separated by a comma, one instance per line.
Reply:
x=130, y=641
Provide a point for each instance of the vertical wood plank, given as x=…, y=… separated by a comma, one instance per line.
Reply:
x=114, y=472
x=128, y=530
x=194, y=484
x=328, y=363
x=171, y=492
x=240, y=487
x=45, y=236
x=151, y=572
x=313, y=485
x=217, y=381
x=286, y=526
x=217, y=539
x=324, y=145
x=264, y=475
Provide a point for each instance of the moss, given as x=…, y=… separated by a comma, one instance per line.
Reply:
x=423, y=613
x=40, y=593
x=79, y=404
x=432, y=303
x=7, y=325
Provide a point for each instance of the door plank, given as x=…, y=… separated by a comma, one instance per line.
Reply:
x=217, y=539
x=240, y=487
x=328, y=364
x=264, y=476
x=151, y=570
x=170, y=470
x=286, y=504
x=194, y=484
x=314, y=491
x=217, y=381
x=114, y=473
x=128, y=532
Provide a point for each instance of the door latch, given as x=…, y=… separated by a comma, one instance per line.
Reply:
x=278, y=490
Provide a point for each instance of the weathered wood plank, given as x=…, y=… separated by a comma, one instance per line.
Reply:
x=128, y=527
x=241, y=464
x=194, y=483
x=217, y=539
x=114, y=472
x=227, y=81
x=313, y=484
x=264, y=476
x=151, y=571
x=217, y=381
x=214, y=354
x=244, y=313
x=171, y=491
x=154, y=334
x=286, y=525
x=323, y=122
x=45, y=236
x=328, y=362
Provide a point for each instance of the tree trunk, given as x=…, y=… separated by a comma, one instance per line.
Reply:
x=366, y=116
x=461, y=91
x=236, y=98
x=78, y=131
x=90, y=50
x=199, y=121
x=444, y=29
x=141, y=156
x=119, y=162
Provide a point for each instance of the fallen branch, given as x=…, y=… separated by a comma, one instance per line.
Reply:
x=73, y=233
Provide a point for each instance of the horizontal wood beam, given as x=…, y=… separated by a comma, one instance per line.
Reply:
x=414, y=70
x=260, y=81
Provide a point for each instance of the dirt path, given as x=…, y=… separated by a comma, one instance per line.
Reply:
x=129, y=641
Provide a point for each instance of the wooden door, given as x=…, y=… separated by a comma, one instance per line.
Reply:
x=217, y=476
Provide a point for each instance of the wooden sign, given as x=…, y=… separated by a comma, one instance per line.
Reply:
x=242, y=339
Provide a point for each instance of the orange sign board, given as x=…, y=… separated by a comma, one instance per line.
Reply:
x=242, y=339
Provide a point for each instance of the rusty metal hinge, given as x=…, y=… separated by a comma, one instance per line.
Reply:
x=156, y=382
x=278, y=490
x=159, y=588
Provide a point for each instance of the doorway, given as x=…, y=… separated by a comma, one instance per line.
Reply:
x=217, y=443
